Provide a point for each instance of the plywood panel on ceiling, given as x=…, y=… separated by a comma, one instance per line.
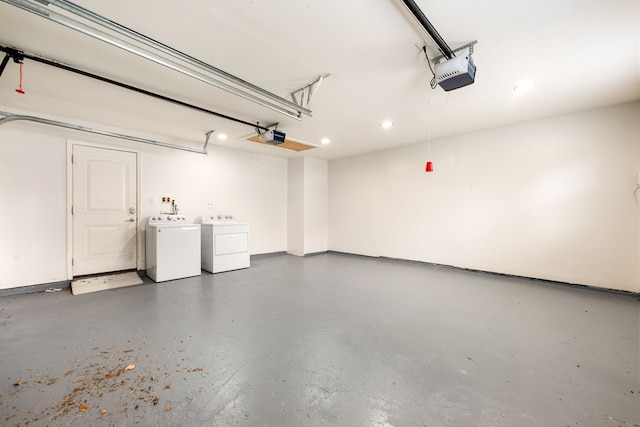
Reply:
x=288, y=144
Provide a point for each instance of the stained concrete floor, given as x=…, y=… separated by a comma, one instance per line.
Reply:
x=327, y=340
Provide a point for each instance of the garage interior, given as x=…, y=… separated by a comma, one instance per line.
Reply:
x=419, y=256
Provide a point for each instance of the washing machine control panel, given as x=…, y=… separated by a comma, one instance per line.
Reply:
x=208, y=219
x=169, y=219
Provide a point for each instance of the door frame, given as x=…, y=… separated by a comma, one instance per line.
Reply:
x=70, y=144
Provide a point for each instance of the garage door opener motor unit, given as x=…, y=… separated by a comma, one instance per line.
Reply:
x=456, y=72
x=272, y=136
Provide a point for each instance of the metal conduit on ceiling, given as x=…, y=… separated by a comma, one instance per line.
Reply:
x=251, y=92
x=9, y=117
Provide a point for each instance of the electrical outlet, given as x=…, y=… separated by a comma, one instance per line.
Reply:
x=166, y=199
x=210, y=206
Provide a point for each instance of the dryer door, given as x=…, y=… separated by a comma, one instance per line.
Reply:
x=232, y=243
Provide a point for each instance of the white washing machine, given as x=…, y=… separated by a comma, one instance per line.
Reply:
x=173, y=248
x=225, y=244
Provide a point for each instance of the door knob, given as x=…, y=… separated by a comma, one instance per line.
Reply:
x=130, y=220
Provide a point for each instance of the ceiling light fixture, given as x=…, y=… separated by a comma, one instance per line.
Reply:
x=222, y=136
x=387, y=124
x=325, y=141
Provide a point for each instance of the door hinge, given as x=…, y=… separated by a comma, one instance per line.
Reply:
x=71, y=210
x=72, y=158
x=72, y=261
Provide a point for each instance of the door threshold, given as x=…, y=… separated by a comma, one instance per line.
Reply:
x=102, y=282
x=107, y=273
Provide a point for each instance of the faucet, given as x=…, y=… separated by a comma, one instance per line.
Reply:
x=174, y=209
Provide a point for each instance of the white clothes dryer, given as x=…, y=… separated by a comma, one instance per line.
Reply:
x=225, y=244
x=173, y=248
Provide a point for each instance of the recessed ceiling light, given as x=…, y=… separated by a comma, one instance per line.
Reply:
x=524, y=86
x=387, y=124
x=325, y=141
x=222, y=136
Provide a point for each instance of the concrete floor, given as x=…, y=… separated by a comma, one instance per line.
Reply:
x=326, y=340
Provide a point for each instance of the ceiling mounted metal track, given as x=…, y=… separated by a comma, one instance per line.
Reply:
x=458, y=49
x=429, y=28
x=19, y=55
x=9, y=117
x=230, y=84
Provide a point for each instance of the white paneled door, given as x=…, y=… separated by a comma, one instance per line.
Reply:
x=104, y=210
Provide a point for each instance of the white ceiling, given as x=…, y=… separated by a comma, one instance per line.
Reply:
x=582, y=54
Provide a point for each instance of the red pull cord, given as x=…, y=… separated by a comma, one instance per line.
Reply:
x=19, y=90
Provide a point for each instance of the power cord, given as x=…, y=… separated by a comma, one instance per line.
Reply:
x=433, y=83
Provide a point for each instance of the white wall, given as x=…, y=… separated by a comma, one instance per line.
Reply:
x=33, y=191
x=252, y=187
x=33, y=244
x=295, y=207
x=316, y=200
x=549, y=199
x=307, y=206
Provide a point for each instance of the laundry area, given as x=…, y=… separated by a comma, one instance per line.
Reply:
x=406, y=213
